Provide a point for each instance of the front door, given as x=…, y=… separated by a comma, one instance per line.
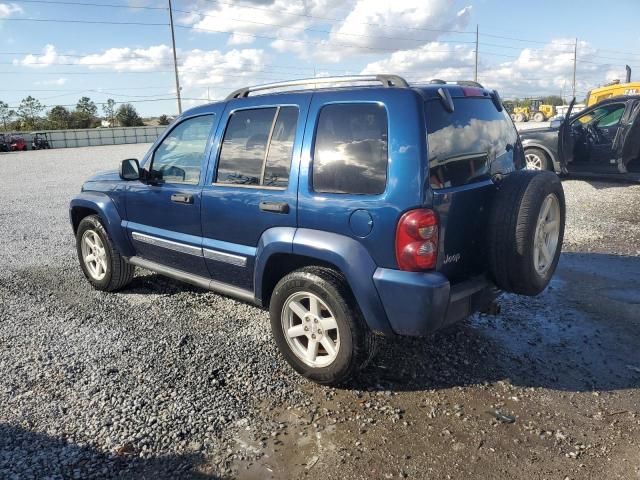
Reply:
x=163, y=213
x=594, y=133
x=252, y=183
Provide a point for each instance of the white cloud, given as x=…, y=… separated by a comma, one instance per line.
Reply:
x=8, y=9
x=212, y=67
x=130, y=59
x=532, y=72
x=382, y=25
x=48, y=57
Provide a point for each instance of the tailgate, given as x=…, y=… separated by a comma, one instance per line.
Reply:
x=463, y=213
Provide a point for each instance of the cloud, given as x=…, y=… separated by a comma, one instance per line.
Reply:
x=382, y=25
x=48, y=57
x=213, y=67
x=8, y=9
x=130, y=59
x=531, y=72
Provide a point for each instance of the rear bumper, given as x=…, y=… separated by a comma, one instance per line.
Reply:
x=417, y=304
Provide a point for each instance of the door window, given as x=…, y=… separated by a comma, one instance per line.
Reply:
x=602, y=117
x=350, y=154
x=257, y=147
x=179, y=157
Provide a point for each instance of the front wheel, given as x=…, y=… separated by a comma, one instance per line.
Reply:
x=100, y=259
x=536, y=159
x=318, y=326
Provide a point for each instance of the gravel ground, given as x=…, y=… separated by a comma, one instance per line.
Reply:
x=164, y=380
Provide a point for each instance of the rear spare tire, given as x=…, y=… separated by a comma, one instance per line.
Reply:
x=526, y=229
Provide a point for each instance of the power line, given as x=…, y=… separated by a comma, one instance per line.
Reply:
x=87, y=4
x=90, y=22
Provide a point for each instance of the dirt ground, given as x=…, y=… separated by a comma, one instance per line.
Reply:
x=548, y=389
x=164, y=380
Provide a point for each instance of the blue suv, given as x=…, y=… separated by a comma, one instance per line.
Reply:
x=350, y=207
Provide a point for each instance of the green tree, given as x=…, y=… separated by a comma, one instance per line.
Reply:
x=29, y=112
x=84, y=115
x=109, y=110
x=6, y=114
x=163, y=120
x=127, y=116
x=59, y=118
x=554, y=100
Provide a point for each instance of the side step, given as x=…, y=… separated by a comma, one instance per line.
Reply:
x=202, y=282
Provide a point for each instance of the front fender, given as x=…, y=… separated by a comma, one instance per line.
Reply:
x=105, y=208
x=557, y=166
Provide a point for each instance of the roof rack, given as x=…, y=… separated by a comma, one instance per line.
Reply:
x=385, y=80
x=462, y=83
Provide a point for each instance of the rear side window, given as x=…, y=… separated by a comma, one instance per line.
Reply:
x=350, y=154
x=463, y=144
x=257, y=147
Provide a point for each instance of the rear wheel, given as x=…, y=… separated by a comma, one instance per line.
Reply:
x=526, y=230
x=536, y=159
x=318, y=326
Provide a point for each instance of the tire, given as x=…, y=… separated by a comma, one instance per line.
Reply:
x=519, y=117
x=536, y=159
x=357, y=344
x=517, y=232
x=116, y=271
x=538, y=117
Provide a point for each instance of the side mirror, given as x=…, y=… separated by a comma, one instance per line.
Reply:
x=130, y=169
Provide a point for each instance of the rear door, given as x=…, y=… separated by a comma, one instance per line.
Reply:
x=252, y=183
x=467, y=147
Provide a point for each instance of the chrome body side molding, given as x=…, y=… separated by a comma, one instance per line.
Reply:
x=219, y=256
x=202, y=282
x=168, y=244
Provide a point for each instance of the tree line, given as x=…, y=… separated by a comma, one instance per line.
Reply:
x=32, y=115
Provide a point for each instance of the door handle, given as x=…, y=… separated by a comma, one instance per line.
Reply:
x=274, y=207
x=182, y=198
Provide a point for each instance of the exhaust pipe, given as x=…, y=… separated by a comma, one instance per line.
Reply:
x=628, y=80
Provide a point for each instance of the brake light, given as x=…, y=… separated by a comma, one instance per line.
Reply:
x=473, y=92
x=417, y=240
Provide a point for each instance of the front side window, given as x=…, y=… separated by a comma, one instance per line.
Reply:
x=605, y=116
x=351, y=152
x=257, y=147
x=179, y=157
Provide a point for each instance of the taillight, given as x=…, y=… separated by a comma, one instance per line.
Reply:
x=417, y=240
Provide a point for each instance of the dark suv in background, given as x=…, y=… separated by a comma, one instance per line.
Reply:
x=602, y=140
x=369, y=207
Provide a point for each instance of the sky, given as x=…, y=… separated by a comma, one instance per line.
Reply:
x=58, y=51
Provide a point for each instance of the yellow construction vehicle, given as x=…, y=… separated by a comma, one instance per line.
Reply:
x=614, y=89
x=536, y=111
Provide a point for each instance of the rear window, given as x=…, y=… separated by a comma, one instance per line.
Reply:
x=350, y=154
x=464, y=144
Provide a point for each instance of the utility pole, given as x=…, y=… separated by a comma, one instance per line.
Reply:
x=175, y=59
x=475, y=76
x=575, y=60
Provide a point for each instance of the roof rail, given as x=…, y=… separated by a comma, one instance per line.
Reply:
x=386, y=80
x=462, y=83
